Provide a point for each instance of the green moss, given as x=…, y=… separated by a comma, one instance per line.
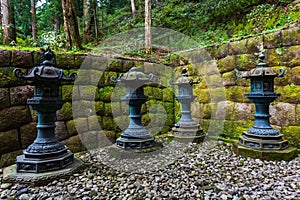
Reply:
x=66, y=111
x=226, y=64
x=289, y=94
x=107, y=109
x=234, y=129
x=238, y=47
x=148, y=91
x=273, y=58
x=203, y=95
x=115, y=65
x=245, y=62
x=291, y=133
x=290, y=37
x=157, y=93
x=273, y=40
x=290, y=56
x=105, y=93
x=99, y=108
x=169, y=107
x=168, y=94
x=236, y=94
x=229, y=78
x=109, y=123
x=65, y=61
x=67, y=92
x=107, y=76
x=8, y=79
x=253, y=44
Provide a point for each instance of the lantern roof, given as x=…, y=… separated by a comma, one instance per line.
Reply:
x=46, y=70
x=261, y=70
x=184, y=79
x=134, y=75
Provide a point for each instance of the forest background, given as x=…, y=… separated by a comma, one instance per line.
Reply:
x=79, y=25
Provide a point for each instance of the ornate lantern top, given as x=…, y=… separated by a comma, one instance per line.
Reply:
x=133, y=75
x=261, y=70
x=45, y=71
x=184, y=79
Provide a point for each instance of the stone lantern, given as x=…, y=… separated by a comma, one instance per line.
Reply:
x=135, y=136
x=261, y=140
x=186, y=129
x=46, y=153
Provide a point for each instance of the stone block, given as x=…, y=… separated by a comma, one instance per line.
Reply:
x=94, y=123
x=254, y=44
x=229, y=78
x=127, y=65
x=283, y=114
x=203, y=95
x=273, y=57
x=14, y=117
x=83, y=108
x=123, y=121
x=286, y=79
x=9, y=158
x=105, y=93
x=71, y=127
x=222, y=51
x=65, y=61
x=236, y=94
x=273, y=40
x=245, y=62
x=292, y=133
x=20, y=94
x=226, y=64
x=291, y=56
x=38, y=58
x=288, y=94
x=4, y=98
x=81, y=125
x=5, y=58
x=61, y=132
x=243, y=111
x=109, y=123
x=168, y=94
x=225, y=110
x=79, y=60
x=8, y=79
x=157, y=93
x=115, y=65
x=10, y=141
x=22, y=59
x=28, y=133
x=67, y=92
x=88, y=92
x=295, y=75
x=290, y=37
x=238, y=47
x=90, y=139
x=74, y=144
x=66, y=112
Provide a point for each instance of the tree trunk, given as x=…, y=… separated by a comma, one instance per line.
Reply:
x=71, y=24
x=9, y=31
x=57, y=26
x=148, y=34
x=95, y=20
x=132, y=7
x=33, y=21
x=88, y=21
x=0, y=15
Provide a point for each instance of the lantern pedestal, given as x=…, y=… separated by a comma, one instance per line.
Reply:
x=261, y=140
x=135, y=136
x=10, y=174
x=186, y=129
x=46, y=157
x=284, y=154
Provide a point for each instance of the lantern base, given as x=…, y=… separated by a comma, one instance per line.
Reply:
x=286, y=154
x=135, y=143
x=188, y=134
x=10, y=174
x=36, y=164
x=267, y=142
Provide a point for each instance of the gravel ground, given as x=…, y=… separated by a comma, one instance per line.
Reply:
x=194, y=171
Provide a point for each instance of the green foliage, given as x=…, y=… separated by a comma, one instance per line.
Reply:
x=52, y=40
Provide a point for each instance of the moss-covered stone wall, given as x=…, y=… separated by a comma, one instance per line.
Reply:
x=18, y=121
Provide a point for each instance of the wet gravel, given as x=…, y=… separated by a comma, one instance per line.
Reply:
x=194, y=171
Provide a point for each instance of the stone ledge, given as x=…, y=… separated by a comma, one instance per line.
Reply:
x=287, y=154
x=10, y=174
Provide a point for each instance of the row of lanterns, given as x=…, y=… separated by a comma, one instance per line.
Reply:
x=46, y=153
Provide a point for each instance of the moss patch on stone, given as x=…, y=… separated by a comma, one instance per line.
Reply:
x=105, y=93
x=292, y=134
